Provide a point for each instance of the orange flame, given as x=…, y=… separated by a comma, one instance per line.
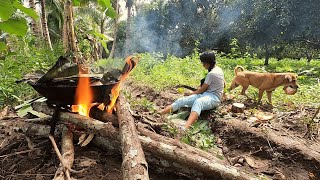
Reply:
x=83, y=96
x=115, y=91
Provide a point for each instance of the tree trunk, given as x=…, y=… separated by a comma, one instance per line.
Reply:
x=128, y=40
x=101, y=49
x=267, y=56
x=134, y=164
x=45, y=24
x=34, y=24
x=161, y=151
x=309, y=56
x=69, y=37
x=111, y=55
x=237, y=108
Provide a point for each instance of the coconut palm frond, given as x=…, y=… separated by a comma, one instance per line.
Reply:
x=95, y=14
x=55, y=5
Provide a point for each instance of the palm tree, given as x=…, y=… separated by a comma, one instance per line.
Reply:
x=45, y=29
x=55, y=18
x=34, y=24
x=129, y=4
x=69, y=38
x=116, y=6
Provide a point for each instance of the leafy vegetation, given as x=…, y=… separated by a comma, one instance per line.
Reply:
x=200, y=135
x=25, y=58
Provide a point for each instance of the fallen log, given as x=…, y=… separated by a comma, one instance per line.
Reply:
x=169, y=152
x=28, y=128
x=156, y=163
x=167, y=157
x=134, y=164
x=91, y=125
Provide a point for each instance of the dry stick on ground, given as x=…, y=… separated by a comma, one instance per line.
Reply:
x=67, y=155
x=64, y=167
x=311, y=128
x=134, y=164
x=67, y=158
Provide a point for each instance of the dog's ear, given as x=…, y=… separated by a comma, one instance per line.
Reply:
x=288, y=76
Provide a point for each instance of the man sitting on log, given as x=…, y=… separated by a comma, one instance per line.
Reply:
x=207, y=96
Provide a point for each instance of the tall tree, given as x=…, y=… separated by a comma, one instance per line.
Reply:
x=34, y=23
x=129, y=5
x=69, y=37
x=45, y=29
x=115, y=27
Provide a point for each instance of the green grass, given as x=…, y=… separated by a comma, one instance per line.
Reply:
x=159, y=74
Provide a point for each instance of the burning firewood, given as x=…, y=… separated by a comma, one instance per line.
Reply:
x=134, y=165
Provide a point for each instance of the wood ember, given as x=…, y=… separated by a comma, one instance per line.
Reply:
x=97, y=113
x=134, y=165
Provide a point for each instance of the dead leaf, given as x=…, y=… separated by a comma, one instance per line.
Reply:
x=257, y=164
x=264, y=116
x=4, y=112
x=85, y=139
x=312, y=176
x=87, y=162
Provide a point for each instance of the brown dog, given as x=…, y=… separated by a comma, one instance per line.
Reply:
x=263, y=81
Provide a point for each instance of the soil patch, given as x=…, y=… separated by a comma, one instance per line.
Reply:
x=275, y=146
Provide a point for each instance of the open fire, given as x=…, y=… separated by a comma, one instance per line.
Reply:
x=84, y=92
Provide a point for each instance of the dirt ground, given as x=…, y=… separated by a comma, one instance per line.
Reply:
x=263, y=140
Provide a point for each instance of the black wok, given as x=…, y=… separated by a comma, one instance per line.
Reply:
x=65, y=94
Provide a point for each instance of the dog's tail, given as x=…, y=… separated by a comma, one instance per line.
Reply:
x=236, y=69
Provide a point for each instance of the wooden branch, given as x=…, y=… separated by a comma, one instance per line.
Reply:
x=190, y=157
x=67, y=158
x=103, y=116
x=29, y=129
x=91, y=125
x=192, y=150
x=158, y=164
x=195, y=159
x=134, y=165
x=163, y=153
